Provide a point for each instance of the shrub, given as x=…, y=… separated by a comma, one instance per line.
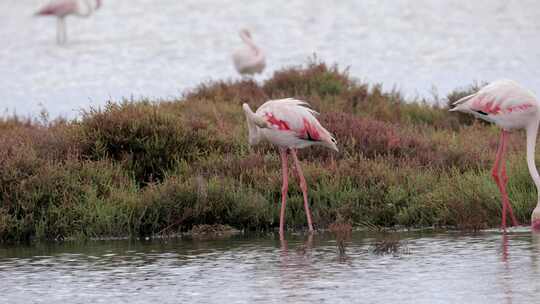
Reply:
x=147, y=140
x=179, y=203
x=65, y=200
x=229, y=92
x=141, y=168
x=317, y=79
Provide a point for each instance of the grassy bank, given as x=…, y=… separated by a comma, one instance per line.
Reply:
x=140, y=168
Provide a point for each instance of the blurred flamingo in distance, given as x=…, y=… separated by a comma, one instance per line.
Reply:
x=249, y=59
x=289, y=124
x=63, y=8
x=510, y=106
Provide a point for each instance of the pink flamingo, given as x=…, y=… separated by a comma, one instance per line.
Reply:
x=289, y=124
x=510, y=106
x=250, y=59
x=63, y=8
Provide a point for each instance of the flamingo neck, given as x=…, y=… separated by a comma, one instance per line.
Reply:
x=532, y=131
x=247, y=40
x=86, y=12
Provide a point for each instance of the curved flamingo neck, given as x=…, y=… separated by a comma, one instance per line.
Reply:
x=247, y=40
x=89, y=9
x=532, y=131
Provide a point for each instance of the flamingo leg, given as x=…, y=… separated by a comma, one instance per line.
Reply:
x=504, y=180
x=495, y=175
x=61, y=35
x=284, y=189
x=303, y=186
x=64, y=31
x=58, y=29
x=499, y=175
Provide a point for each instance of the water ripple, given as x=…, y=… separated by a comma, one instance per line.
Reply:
x=442, y=268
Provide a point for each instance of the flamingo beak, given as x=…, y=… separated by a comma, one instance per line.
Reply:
x=332, y=144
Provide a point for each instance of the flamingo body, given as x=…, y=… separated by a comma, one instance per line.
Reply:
x=63, y=8
x=510, y=106
x=60, y=8
x=289, y=124
x=503, y=102
x=246, y=62
x=249, y=59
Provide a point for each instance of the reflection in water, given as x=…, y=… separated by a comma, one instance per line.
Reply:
x=504, y=249
x=302, y=249
x=535, y=236
x=535, y=241
x=507, y=277
x=342, y=231
x=442, y=268
x=535, y=264
x=296, y=268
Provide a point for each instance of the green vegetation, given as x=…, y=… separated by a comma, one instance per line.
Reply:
x=139, y=168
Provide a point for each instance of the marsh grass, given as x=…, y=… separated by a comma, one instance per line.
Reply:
x=142, y=168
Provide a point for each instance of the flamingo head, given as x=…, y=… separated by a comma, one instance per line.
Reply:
x=98, y=4
x=244, y=33
x=330, y=142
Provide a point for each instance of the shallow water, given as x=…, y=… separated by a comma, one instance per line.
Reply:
x=486, y=267
x=160, y=48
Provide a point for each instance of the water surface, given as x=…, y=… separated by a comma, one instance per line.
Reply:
x=486, y=267
x=160, y=48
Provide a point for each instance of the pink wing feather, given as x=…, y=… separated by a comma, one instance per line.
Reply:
x=293, y=115
x=59, y=8
x=499, y=97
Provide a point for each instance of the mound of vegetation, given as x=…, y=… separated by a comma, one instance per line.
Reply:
x=141, y=168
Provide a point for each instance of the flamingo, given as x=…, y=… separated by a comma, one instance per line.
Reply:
x=250, y=59
x=510, y=106
x=63, y=8
x=289, y=124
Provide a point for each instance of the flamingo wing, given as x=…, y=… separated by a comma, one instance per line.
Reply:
x=243, y=57
x=295, y=117
x=502, y=97
x=248, y=61
x=59, y=8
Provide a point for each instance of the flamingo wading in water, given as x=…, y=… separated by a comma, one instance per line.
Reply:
x=510, y=106
x=249, y=59
x=63, y=8
x=289, y=124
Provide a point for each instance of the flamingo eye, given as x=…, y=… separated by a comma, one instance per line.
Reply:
x=334, y=140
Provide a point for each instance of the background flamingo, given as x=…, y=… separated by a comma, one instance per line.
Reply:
x=63, y=8
x=249, y=59
x=510, y=106
x=289, y=124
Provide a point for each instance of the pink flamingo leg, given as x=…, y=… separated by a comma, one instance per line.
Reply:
x=284, y=189
x=61, y=35
x=59, y=31
x=499, y=175
x=303, y=186
x=504, y=180
x=495, y=175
